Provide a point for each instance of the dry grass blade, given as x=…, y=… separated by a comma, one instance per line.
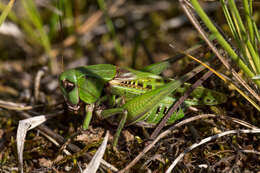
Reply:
x=207, y=140
x=38, y=77
x=23, y=127
x=250, y=151
x=14, y=106
x=96, y=160
x=241, y=122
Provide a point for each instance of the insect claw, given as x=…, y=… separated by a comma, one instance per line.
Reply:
x=74, y=108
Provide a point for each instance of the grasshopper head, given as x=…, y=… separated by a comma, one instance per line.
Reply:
x=80, y=85
x=69, y=89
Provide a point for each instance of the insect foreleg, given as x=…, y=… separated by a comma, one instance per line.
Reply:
x=90, y=108
x=89, y=112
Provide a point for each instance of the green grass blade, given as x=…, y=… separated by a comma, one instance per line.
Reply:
x=237, y=18
x=35, y=21
x=35, y=18
x=256, y=33
x=248, y=15
x=229, y=20
x=250, y=51
x=242, y=36
x=111, y=29
x=221, y=40
x=235, y=33
x=6, y=11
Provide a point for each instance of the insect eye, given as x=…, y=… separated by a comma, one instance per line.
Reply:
x=68, y=86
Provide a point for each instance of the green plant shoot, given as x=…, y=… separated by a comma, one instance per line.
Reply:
x=128, y=96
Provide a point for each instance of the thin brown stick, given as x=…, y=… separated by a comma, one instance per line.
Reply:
x=179, y=102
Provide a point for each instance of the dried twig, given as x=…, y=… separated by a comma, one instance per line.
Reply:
x=179, y=102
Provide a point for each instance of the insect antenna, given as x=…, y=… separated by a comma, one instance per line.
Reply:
x=61, y=33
